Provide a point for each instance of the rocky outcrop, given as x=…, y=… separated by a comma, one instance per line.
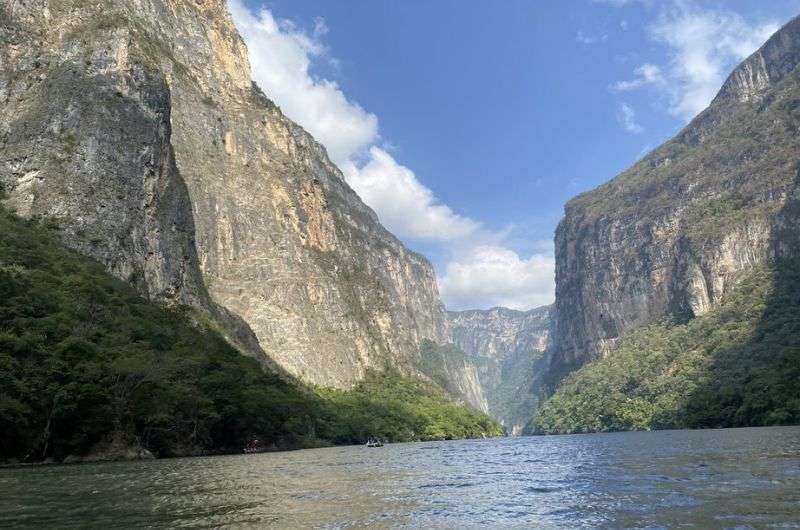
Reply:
x=506, y=349
x=672, y=235
x=134, y=127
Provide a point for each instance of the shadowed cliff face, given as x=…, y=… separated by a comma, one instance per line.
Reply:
x=756, y=382
x=681, y=228
x=507, y=349
x=134, y=125
x=736, y=365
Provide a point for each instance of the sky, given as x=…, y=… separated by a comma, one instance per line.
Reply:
x=468, y=124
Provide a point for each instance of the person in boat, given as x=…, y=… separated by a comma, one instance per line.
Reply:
x=253, y=446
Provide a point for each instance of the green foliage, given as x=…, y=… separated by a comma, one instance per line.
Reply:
x=726, y=167
x=436, y=361
x=510, y=398
x=738, y=365
x=400, y=410
x=83, y=357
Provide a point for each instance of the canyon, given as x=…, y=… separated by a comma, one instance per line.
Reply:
x=134, y=130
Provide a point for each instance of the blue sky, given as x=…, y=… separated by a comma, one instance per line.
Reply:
x=467, y=125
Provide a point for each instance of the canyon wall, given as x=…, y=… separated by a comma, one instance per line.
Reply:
x=506, y=349
x=669, y=237
x=133, y=127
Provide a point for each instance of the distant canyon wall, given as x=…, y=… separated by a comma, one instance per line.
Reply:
x=507, y=349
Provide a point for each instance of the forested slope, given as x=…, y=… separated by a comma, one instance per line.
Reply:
x=738, y=365
x=84, y=360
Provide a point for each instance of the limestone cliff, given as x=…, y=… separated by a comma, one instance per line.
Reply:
x=507, y=349
x=134, y=126
x=681, y=228
x=455, y=371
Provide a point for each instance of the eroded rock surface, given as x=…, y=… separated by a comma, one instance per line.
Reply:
x=134, y=126
x=506, y=349
x=672, y=235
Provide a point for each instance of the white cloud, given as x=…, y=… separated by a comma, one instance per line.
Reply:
x=585, y=38
x=282, y=57
x=406, y=207
x=627, y=118
x=646, y=74
x=490, y=276
x=703, y=45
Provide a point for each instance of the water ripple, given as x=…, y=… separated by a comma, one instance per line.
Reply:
x=742, y=478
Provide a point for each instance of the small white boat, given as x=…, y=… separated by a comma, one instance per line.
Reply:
x=374, y=443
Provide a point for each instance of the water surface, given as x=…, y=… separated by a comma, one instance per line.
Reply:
x=732, y=478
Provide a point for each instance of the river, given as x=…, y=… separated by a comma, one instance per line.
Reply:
x=730, y=478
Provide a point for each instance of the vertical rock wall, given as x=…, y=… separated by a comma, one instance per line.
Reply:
x=134, y=126
x=672, y=235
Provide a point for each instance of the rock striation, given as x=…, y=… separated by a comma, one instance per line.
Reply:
x=135, y=128
x=671, y=236
x=506, y=349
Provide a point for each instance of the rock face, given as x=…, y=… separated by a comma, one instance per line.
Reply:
x=676, y=232
x=507, y=349
x=135, y=127
x=455, y=371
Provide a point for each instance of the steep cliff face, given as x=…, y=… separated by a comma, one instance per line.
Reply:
x=135, y=127
x=507, y=349
x=680, y=229
x=455, y=371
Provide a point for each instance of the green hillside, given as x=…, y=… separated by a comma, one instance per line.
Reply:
x=83, y=358
x=738, y=365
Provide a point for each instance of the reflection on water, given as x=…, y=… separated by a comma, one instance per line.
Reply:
x=736, y=478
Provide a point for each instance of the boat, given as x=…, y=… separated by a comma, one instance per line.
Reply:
x=374, y=442
x=254, y=446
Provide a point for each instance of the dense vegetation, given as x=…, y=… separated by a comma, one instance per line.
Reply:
x=437, y=361
x=750, y=146
x=434, y=359
x=738, y=365
x=83, y=358
x=403, y=409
